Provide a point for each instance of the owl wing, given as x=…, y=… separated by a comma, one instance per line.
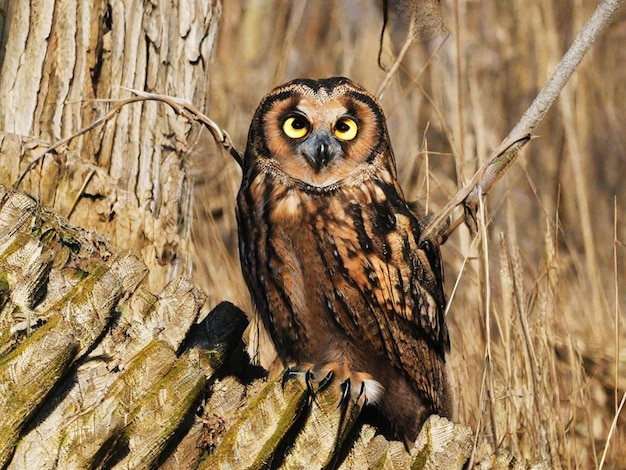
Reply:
x=398, y=282
x=403, y=279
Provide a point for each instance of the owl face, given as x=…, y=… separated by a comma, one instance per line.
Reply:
x=318, y=132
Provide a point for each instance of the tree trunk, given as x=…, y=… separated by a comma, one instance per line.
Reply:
x=63, y=62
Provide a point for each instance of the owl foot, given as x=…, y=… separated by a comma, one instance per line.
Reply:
x=358, y=386
x=346, y=388
x=296, y=373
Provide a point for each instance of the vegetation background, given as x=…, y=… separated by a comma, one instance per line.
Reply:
x=537, y=300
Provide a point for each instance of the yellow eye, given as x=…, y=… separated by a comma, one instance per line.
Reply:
x=345, y=128
x=296, y=127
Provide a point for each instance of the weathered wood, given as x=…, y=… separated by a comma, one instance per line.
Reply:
x=172, y=399
x=90, y=435
x=63, y=61
x=90, y=365
x=441, y=444
x=254, y=439
x=26, y=379
x=220, y=413
x=328, y=424
x=374, y=451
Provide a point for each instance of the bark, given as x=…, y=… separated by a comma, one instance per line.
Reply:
x=63, y=60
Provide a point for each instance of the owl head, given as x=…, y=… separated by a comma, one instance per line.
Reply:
x=319, y=132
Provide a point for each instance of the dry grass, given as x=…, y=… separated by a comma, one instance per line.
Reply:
x=536, y=320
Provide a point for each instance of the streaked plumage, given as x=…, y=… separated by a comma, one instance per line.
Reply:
x=329, y=249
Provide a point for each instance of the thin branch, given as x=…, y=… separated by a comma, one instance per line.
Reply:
x=568, y=65
x=611, y=431
x=396, y=63
x=115, y=109
x=79, y=194
x=180, y=107
x=438, y=228
x=484, y=179
x=185, y=108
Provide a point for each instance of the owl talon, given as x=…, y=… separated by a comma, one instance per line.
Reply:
x=345, y=393
x=294, y=372
x=287, y=375
x=362, y=395
x=308, y=378
x=325, y=382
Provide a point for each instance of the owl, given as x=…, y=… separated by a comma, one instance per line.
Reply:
x=331, y=252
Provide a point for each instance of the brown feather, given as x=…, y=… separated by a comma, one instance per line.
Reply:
x=331, y=257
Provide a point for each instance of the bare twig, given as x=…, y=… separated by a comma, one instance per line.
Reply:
x=80, y=192
x=396, y=63
x=611, y=431
x=616, y=284
x=115, y=109
x=503, y=158
x=180, y=106
x=185, y=108
x=438, y=229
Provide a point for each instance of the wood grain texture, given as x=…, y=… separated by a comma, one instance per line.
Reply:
x=63, y=61
x=92, y=363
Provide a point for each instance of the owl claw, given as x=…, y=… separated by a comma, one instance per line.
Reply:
x=294, y=372
x=325, y=382
x=362, y=395
x=289, y=374
x=345, y=393
x=308, y=378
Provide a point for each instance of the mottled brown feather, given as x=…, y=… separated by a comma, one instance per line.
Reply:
x=331, y=255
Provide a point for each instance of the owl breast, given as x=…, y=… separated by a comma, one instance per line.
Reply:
x=306, y=240
x=334, y=260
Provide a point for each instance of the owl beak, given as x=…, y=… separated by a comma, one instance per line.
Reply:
x=320, y=149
